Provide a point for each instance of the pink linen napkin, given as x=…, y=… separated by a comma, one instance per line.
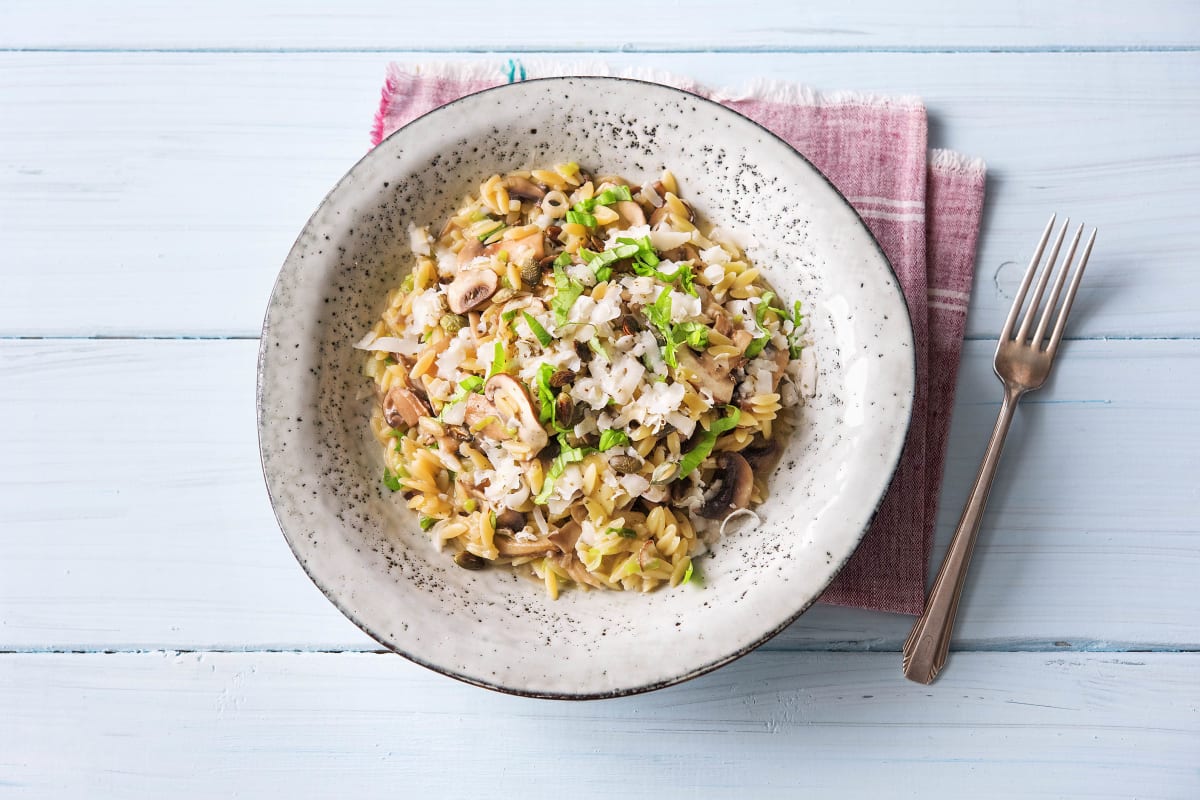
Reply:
x=923, y=207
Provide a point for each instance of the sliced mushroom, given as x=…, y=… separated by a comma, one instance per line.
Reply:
x=742, y=339
x=511, y=547
x=702, y=371
x=470, y=251
x=566, y=536
x=523, y=188
x=630, y=213
x=483, y=418
x=471, y=288
x=510, y=520
x=520, y=251
x=512, y=400
x=760, y=454
x=659, y=216
x=737, y=483
x=402, y=407
x=686, y=252
x=781, y=362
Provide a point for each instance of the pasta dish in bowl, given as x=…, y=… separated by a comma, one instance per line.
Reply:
x=595, y=333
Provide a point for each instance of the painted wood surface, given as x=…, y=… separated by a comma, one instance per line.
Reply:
x=159, y=193
x=156, y=162
x=773, y=725
x=145, y=524
x=624, y=25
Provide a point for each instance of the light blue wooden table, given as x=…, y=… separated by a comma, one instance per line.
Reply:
x=158, y=639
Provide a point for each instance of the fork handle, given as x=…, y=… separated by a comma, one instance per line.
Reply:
x=929, y=643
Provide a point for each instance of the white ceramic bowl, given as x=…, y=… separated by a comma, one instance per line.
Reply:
x=362, y=546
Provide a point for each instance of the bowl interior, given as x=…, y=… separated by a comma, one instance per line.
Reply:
x=362, y=546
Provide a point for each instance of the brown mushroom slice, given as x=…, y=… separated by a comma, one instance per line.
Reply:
x=511, y=520
x=571, y=565
x=742, y=339
x=520, y=251
x=761, y=454
x=512, y=400
x=705, y=373
x=523, y=188
x=781, y=362
x=737, y=484
x=566, y=537
x=515, y=549
x=630, y=213
x=471, y=288
x=402, y=407
x=470, y=251
x=659, y=216
x=483, y=418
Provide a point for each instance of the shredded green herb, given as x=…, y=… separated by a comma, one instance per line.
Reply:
x=687, y=575
x=694, y=333
x=567, y=455
x=563, y=259
x=708, y=440
x=510, y=315
x=543, y=336
x=794, y=346
x=499, y=361
x=568, y=291
x=390, y=480
x=426, y=522
x=613, y=438
x=624, y=533
x=760, y=314
x=601, y=263
x=581, y=218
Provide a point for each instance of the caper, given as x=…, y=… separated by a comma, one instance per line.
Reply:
x=561, y=378
x=531, y=273
x=468, y=560
x=459, y=432
x=630, y=325
x=453, y=323
x=623, y=463
x=510, y=520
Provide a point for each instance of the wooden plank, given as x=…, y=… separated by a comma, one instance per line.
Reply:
x=624, y=25
x=135, y=517
x=772, y=725
x=160, y=192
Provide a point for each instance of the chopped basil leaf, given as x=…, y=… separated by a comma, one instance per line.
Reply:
x=708, y=440
x=541, y=333
x=499, y=362
x=545, y=394
x=472, y=383
x=563, y=260
x=567, y=455
x=510, y=315
x=581, y=218
x=687, y=575
x=597, y=348
x=426, y=522
x=568, y=291
x=612, y=438
x=760, y=313
x=390, y=480
x=694, y=333
x=794, y=346
x=624, y=533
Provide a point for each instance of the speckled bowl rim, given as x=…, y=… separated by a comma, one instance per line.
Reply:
x=635, y=690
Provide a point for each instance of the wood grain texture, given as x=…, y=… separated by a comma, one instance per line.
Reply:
x=134, y=515
x=159, y=192
x=772, y=725
x=624, y=25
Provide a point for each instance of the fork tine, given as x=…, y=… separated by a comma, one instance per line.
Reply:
x=1043, y=279
x=1061, y=324
x=1025, y=281
x=1044, y=322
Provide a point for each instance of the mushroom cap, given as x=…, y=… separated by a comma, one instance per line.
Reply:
x=512, y=400
x=630, y=212
x=402, y=406
x=523, y=188
x=737, y=484
x=471, y=288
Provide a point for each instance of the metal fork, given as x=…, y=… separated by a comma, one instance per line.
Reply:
x=1022, y=364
